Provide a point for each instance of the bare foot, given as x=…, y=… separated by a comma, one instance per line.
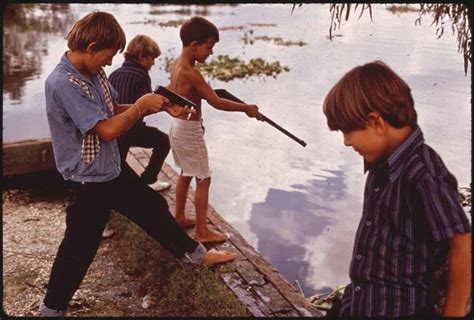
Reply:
x=210, y=236
x=186, y=222
x=214, y=257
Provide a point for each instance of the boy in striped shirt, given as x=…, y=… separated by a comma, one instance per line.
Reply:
x=412, y=220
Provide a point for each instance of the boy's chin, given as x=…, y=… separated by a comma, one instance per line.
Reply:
x=372, y=159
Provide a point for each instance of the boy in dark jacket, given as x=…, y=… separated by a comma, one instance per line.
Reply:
x=132, y=81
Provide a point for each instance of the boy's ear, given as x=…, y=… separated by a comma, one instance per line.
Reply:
x=91, y=47
x=375, y=120
x=194, y=44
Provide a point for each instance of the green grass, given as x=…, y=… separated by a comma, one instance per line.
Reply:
x=180, y=290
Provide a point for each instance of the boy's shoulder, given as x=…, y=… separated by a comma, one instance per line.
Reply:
x=426, y=164
x=130, y=67
x=185, y=74
x=58, y=78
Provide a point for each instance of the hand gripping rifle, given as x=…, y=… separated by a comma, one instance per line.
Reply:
x=222, y=93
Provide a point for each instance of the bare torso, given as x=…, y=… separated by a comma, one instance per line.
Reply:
x=181, y=74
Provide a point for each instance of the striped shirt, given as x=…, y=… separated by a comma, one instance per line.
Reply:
x=131, y=81
x=411, y=209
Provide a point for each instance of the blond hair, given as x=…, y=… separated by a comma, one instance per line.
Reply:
x=99, y=27
x=372, y=87
x=142, y=46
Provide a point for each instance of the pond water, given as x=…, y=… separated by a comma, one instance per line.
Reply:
x=297, y=206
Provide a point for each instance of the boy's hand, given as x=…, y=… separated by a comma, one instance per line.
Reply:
x=252, y=112
x=177, y=111
x=151, y=103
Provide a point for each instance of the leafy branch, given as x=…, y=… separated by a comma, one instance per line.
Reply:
x=457, y=13
x=460, y=17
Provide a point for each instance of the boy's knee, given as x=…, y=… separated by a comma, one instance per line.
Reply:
x=204, y=182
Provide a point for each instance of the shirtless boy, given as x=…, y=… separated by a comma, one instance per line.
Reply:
x=198, y=36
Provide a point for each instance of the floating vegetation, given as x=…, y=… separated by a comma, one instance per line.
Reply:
x=241, y=27
x=400, y=8
x=263, y=25
x=172, y=23
x=184, y=11
x=146, y=21
x=154, y=22
x=231, y=28
x=226, y=69
x=325, y=302
x=280, y=42
x=248, y=39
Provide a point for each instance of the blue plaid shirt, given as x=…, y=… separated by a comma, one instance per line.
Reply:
x=411, y=208
x=74, y=105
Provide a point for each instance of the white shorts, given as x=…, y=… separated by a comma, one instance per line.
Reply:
x=189, y=148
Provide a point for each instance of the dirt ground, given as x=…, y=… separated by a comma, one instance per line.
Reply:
x=115, y=285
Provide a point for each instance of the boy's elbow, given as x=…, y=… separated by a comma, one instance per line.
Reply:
x=215, y=103
x=107, y=137
x=104, y=132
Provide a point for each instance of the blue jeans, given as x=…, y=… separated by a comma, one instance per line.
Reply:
x=87, y=212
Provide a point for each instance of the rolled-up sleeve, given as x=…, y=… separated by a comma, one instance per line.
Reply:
x=442, y=209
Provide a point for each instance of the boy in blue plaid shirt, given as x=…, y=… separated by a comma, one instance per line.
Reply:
x=85, y=122
x=412, y=219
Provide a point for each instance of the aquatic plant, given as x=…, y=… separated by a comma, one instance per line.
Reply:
x=401, y=8
x=280, y=42
x=170, y=23
x=225, y=68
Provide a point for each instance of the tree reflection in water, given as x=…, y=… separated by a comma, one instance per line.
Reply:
x=25, y=30
x=457, y=14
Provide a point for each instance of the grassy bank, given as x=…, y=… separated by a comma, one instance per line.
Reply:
x=167, y=286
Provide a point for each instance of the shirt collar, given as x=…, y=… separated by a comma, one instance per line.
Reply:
x=134, y=64
x=66, y=63
x=395, y=162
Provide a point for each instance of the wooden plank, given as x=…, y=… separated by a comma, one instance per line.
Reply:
x=242, y=291
x=27, y=156
x=275, y=301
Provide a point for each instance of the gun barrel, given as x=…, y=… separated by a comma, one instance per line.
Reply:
x=227, y=95
x=289, y=134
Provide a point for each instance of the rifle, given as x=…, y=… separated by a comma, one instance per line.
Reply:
x=222, y=93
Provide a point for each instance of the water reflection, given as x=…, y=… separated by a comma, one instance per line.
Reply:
x=25, y=27
x=287, y=220
x=457, y=14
